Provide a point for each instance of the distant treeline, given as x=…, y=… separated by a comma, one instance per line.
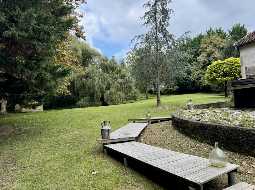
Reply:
x=186, y=61
x=44, y=59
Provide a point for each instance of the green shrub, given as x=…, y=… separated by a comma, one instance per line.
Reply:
x=220, y=72
x=113, y=97
x=86, y=102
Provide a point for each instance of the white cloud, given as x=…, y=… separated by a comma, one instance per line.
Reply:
x=113, y=20
x=199, y=15
x=118, y=21
x=92, y=27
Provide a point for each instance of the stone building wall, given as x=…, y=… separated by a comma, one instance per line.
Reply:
x=247, y=56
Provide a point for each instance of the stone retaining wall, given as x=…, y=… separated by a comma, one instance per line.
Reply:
x=236, y=139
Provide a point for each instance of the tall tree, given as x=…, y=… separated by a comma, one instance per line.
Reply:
x=105, y=83
x=29, y=35
x=68, y=59
x=181, y=58
x=237, y=32
x=211, y=49
x=157, y=39
x=216, y=31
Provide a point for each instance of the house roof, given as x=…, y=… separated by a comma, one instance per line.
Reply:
x=249, y=38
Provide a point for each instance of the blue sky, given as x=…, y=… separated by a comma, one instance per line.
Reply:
x=110, y=25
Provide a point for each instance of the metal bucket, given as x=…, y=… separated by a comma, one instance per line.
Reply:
x=105, y=130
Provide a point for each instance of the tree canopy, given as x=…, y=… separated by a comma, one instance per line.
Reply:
x=220, y=72
x=30, y=34
x=105, y=83
x=157, y=39
x=185, y=61
x=44, y=56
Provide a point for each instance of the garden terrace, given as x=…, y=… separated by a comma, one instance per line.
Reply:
x=166, y=136
x=232, y=129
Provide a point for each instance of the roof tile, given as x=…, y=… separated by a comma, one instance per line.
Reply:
x=249, y=38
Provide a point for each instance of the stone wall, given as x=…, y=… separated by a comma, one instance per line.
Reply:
x=247, y=56
x=236, y=139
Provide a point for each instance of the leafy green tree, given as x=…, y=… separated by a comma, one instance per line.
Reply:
x=29, y=35
x=216, y=31
x=192, y=45
x=84, y=52
x=211, y=49
x=66, y=58
x=187, y=72
x=214, y=45
x=104, y=83
x=180, y=60
x=139, y=60
x=237, y=32
x=158, y=39
x=220, y=72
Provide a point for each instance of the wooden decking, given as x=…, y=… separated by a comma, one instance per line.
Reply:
x=129, y=132
x=241, y=186
x=151, y=120
x=194, y=169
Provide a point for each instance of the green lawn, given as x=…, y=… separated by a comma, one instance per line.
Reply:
x=58, y=149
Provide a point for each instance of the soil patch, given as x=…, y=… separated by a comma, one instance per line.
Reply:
x=6, y=131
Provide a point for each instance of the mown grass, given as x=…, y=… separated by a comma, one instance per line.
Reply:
x=58, y=149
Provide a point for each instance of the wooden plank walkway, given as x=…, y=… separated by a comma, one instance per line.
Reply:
x=193, y=169
x=241, y=186
x=129, y=132
x=151, y=120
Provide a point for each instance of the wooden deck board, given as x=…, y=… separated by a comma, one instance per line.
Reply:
x=129, y=131
x=152, y=120
x=191, y=168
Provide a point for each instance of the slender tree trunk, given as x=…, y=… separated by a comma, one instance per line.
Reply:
x=158, y=89
x=157, y=66
x=146, y=94
x=226, y=89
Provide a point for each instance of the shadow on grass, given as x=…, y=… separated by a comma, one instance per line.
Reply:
x=9, y=133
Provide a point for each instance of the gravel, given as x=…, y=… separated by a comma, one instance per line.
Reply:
x=165, y=136
x=224, y=116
